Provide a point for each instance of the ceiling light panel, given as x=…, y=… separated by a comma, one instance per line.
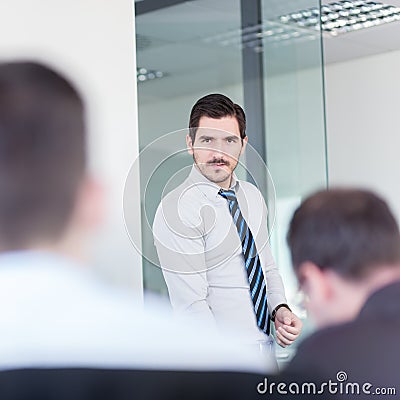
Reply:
x=144, y=74
x=344, y=16
x=273, y=32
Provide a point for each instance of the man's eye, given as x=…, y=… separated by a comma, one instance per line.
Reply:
x=206, y=140
x=231, y=141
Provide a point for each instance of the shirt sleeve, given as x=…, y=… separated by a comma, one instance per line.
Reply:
x=180, y=249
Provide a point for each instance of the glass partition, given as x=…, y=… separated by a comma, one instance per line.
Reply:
x=294, y=119
x=195, y=48
x=185, y=44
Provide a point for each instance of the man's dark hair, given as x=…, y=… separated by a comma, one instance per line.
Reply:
x=348, y=231
x=216, y=106
x=42, y=153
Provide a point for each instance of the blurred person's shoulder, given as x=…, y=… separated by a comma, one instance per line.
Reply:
x=365, y=349
x=57, y=314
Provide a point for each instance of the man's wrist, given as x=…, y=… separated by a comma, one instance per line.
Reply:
x=275, y=310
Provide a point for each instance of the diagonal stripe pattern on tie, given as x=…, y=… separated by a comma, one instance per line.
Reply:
x=258, y=290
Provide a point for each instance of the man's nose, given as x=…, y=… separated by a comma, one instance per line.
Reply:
x=219, y=148
x=218, y=152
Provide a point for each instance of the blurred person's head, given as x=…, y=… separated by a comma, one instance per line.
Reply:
x=217, y=137
x=345, y=244
x=46, y=198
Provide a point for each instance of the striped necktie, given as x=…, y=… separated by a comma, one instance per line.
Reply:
x=254, y=271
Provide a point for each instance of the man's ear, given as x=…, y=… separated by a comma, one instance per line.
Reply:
x=90, y=204
x=189, y=144
x=244, y=144
x=314, y=282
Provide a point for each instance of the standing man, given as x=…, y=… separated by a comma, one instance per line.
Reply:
x=211, y=235
x=345, y=247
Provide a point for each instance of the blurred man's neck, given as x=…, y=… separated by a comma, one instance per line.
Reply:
x=351, y=295
x=383, y=276
x=70, y=246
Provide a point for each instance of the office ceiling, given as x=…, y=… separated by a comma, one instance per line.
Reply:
x=185, y=41
x=363, y=43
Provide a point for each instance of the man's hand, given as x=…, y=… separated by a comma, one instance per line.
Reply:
x=288, y=327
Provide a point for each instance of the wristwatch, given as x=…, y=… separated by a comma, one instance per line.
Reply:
x=274, y=311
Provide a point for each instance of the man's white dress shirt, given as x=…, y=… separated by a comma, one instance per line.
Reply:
x=201, y=254
x=55, y=314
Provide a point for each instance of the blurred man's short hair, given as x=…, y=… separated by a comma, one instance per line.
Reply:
x=348, y=231
x=42, y=153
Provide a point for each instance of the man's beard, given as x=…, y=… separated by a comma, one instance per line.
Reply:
x=216, y=176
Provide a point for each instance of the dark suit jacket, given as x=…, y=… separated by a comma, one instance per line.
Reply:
x=367, y=349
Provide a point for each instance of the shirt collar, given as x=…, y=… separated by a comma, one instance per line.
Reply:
x=208, y=188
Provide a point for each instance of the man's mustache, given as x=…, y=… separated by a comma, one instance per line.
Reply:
x=219, y=161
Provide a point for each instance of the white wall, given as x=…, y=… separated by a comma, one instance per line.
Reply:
x=93, y=42
x=363, y=121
